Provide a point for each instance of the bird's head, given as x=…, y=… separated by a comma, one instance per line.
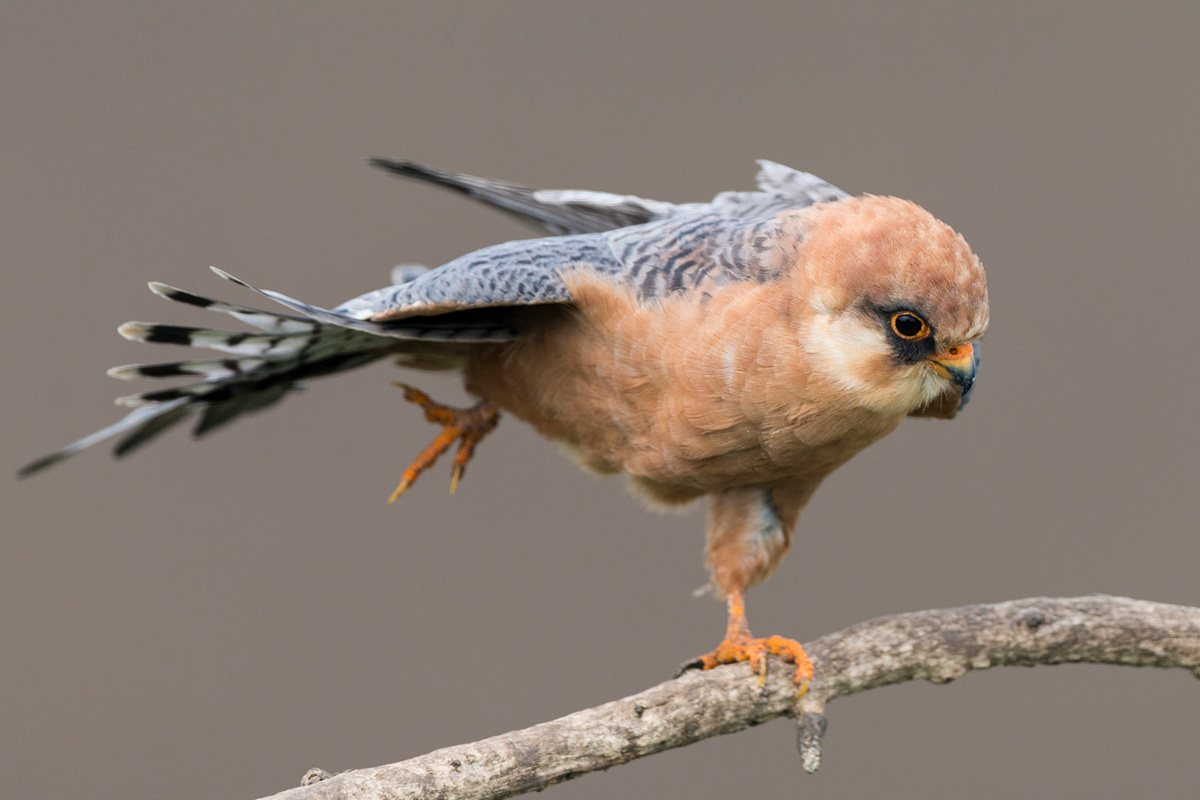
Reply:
x=899, y=300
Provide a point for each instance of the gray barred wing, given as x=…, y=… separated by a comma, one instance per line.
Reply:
x=659, y=258
x=518, y=273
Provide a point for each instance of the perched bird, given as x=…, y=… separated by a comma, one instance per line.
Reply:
x=741, y=349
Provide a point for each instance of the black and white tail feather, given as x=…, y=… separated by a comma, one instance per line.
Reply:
x=262, y=368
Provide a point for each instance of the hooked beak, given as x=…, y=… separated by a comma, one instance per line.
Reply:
x=958, y=364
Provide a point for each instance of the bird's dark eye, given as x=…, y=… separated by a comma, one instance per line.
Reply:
x=908, y=325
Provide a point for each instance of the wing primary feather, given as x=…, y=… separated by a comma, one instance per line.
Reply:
x=512, y=198
x=493, y=191
x=565, y=212
x=558, y=212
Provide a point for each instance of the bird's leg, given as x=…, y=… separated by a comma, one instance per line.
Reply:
x=749, y=530
x=739, y=645
x=468, y=426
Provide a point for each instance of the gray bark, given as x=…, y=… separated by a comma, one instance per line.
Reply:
x=937, y=646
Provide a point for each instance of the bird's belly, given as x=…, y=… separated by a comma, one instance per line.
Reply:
x=669, y=395
x=675, y=457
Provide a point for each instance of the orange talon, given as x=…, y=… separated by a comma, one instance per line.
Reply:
x=467, y=426
x=739, y=645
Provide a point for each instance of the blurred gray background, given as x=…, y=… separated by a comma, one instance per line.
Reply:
x=210, y=619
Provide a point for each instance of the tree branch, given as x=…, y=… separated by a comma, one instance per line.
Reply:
x=937, y=646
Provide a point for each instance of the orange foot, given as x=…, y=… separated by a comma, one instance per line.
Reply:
x=739, y=645
x=466, y=425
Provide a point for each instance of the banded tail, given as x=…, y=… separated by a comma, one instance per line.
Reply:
x=260, y=367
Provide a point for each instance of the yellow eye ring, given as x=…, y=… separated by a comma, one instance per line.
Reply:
x=909, y=326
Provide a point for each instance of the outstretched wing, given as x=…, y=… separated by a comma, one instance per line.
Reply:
x=567, y=212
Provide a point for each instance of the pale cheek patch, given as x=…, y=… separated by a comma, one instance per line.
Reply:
x=843, y=353
x=857, y=358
